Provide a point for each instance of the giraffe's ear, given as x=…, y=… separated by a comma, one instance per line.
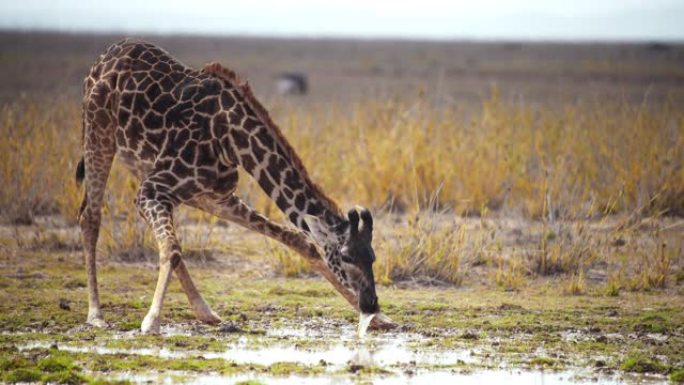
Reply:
x=319, y=230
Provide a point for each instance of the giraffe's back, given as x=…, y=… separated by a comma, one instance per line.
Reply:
x=159, y=114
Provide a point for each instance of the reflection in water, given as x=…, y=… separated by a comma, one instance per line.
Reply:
x=362, y=356
x=392, y=352
x=385, y=351
x=422, y=378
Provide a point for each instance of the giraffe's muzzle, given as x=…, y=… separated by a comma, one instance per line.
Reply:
x=368, y=302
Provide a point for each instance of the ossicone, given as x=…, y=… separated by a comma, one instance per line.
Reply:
x=353, y=217
x=364, y=226
x=367, y=219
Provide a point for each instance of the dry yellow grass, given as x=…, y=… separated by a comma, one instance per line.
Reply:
x=584, y=161
x=35, y=157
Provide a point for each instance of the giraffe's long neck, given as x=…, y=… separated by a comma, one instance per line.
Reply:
x=261, y=149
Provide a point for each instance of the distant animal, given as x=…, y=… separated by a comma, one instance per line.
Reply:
x=658, y=46
x=292, y=84
x=184, y=133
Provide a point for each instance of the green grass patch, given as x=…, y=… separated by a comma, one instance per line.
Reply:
x=643, y=365
x=677, y=375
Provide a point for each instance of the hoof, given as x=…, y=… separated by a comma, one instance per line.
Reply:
x=95, y=319
x=382, y=322
x=97, y=322
x=204, y=313
x=150, y=325
x=209, y=318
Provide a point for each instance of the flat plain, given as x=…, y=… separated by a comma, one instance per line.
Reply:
x=529, y=199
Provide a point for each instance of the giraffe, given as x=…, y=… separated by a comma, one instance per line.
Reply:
x=183, y=133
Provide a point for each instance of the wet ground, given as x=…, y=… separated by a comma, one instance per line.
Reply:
x=320, y=351
x=299, y=330
x=320, y=356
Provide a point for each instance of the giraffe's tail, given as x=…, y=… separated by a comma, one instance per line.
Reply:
x=80, y=175
x=80, y=172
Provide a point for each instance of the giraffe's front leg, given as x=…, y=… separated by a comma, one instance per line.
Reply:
x=158, y=212
x=234, y=210
x=199, y=306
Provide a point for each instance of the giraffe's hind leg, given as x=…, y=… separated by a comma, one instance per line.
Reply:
x=99, y=154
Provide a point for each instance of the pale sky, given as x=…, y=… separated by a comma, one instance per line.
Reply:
x=417, y=19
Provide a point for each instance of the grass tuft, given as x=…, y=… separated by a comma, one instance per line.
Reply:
x=643, y=365
x=677, y=376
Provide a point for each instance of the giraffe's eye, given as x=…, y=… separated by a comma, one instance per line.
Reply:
x=347, y=259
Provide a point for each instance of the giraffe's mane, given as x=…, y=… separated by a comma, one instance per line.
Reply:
x=246, y=92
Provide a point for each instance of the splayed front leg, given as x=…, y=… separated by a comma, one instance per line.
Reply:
x=236, y=211
x=199, y=306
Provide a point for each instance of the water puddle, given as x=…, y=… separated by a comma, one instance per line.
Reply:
x=339, y=353
x=378, y=352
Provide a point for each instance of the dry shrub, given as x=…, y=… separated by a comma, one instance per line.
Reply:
x=509, y=274
x=427, y=249
x=575, y=285
x=564, y=249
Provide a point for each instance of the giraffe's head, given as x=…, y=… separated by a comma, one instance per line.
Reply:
x=349, y=254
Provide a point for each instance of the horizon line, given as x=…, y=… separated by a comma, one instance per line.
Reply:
x=341, y=36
